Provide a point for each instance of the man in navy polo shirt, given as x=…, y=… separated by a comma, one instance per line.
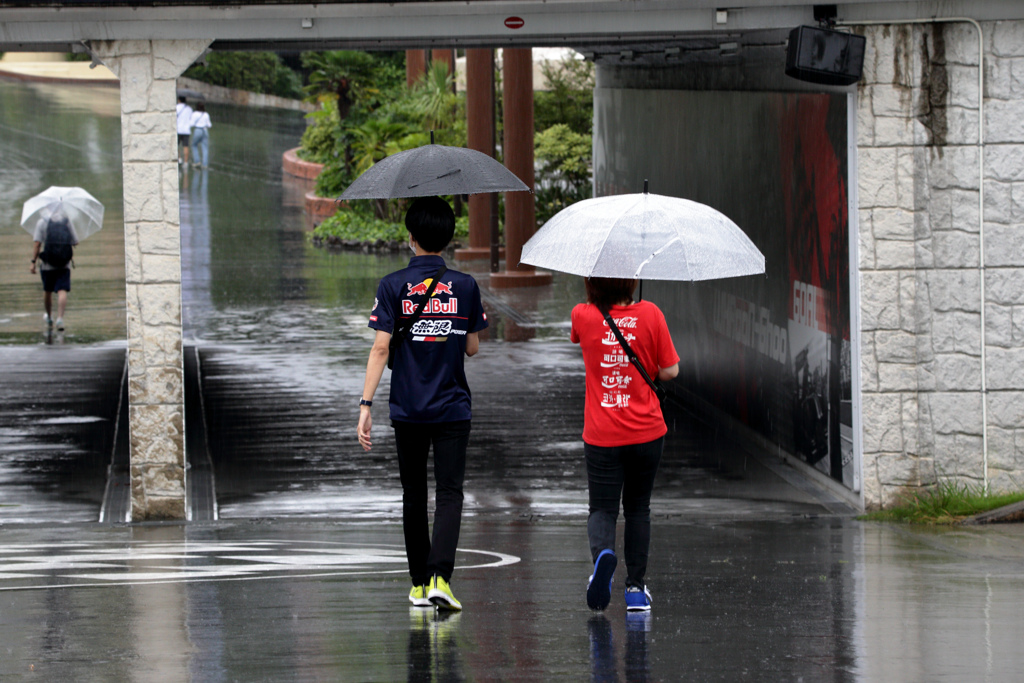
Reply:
x=430, y=398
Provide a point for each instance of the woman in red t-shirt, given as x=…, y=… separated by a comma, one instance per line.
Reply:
x=623, y=429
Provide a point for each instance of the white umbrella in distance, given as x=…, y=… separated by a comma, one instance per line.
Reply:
x=433, y=170
x=84, y=212
x=643, y=236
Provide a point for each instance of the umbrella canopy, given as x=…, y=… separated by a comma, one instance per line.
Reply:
x=643, y=236
x=84, y=211
x=433, y=170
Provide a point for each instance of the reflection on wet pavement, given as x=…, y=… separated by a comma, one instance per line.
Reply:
x=299, y=600
x=58, y=408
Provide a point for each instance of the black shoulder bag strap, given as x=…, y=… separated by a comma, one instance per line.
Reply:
x=400, y=333
x=658, y=390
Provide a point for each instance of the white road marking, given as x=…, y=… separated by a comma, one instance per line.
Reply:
x=138, y=563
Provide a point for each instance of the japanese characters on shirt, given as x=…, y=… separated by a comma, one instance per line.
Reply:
x=433, y=330
x=615, y=380
x=428, y=330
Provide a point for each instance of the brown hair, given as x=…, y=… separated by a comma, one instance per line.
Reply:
x=605, y=292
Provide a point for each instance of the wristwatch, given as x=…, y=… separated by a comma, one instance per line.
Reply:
x=364, y=402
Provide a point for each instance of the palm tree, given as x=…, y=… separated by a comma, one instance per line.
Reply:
x=436, y=98
x=344, y=73
x=375, y=139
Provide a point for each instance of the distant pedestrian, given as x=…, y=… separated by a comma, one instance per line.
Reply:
x=53, y=248
x=430, y=397
x=200, y=135
x=184, y=120
x=623, y=428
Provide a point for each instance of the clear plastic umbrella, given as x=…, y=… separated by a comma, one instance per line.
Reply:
x=84, y=211
x=433, y=170
x=643, y=236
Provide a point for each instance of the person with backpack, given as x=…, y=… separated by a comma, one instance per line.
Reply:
x=624, y=345
x=427, y=319
x=53, y=248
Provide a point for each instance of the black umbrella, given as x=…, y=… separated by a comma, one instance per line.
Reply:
x=433, y=170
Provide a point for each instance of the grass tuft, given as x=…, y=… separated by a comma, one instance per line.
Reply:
x=948, y=502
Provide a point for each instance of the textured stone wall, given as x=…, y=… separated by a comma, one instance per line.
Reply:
x=920, y=245
x=147, y=71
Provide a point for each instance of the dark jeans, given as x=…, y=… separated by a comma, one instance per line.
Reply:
x=627, y=472
x=431, y=556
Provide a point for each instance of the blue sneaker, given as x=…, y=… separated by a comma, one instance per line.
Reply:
x=599, y=589
x=638, y=599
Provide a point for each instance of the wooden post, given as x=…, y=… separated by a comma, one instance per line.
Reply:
x=520, y=216
x=415, y=66
x=480, y=136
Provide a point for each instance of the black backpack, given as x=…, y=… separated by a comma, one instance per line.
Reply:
x=57, y=248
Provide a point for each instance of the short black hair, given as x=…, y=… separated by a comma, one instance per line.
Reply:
x=431, y=222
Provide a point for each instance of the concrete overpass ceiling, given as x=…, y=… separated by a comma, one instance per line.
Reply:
x=692, y=48
x=370, y=24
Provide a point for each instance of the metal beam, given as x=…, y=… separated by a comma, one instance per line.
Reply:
x=462, y=24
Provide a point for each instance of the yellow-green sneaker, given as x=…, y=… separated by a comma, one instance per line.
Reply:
x=418, y=597
x=440, y=593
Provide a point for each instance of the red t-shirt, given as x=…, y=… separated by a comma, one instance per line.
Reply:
x=620, y=407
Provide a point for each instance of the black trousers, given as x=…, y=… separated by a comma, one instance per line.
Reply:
x=431, y=555
x=625, y=472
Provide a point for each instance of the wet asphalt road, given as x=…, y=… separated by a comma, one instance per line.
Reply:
x=825, y=599
x=58, y=413
x=303, y=576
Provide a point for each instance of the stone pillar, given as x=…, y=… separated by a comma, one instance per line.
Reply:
x=1004, y=249
x=919, y=180
x=479, y=136
x=415, y=66
x=520, y=217
x=148, y=71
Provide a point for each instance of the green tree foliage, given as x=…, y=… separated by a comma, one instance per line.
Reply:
x=345, y=74
x=435, y=100
x=261, y=72
x=318, y=141
x=564, y=119
x=563, y=171
x=570, y=101
x=378, y=138
x=384, y=117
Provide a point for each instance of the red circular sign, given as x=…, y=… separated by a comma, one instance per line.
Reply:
x=514, y=22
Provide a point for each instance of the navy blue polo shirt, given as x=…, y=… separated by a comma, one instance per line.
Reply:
x=428, y=380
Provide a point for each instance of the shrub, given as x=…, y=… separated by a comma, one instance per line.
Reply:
x=356, y=224
x=318, y=141
x=571, y=99
x=383, y=117
x=261, y=72
x=563, y=171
